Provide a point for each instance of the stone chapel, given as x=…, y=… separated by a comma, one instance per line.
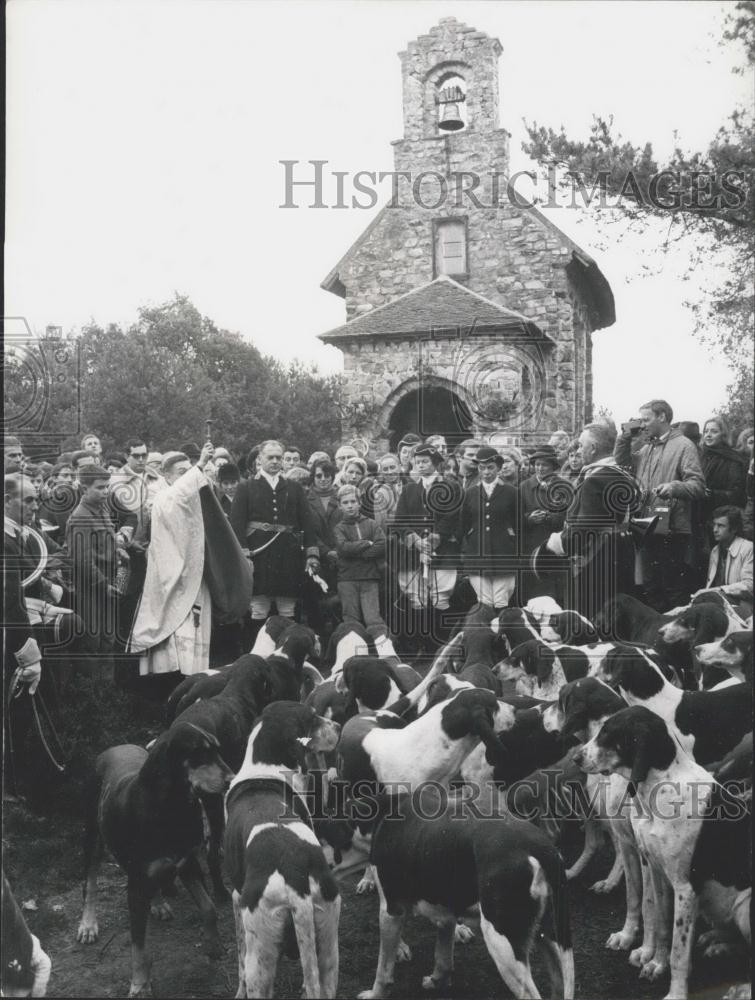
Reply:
x=465, y=316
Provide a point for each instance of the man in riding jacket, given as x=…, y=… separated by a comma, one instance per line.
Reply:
x=426, y=518
x=273, y=522
x=596, y=536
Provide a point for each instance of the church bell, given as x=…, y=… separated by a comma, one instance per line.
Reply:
x=451, y=120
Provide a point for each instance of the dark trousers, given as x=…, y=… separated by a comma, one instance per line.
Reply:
x=598, y=580
x=360, y=602
x=666, y=575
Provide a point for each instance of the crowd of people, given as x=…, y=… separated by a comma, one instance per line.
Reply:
x=140, y=565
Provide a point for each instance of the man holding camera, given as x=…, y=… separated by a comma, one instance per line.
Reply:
x=668, y=470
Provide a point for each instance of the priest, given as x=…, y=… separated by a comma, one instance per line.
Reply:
x=195, y=566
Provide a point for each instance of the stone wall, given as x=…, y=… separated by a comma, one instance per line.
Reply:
x=450, y=48
x=379, y=372
x=514, y=258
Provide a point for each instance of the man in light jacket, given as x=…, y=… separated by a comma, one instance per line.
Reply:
x=730, y=566
x=667, y=467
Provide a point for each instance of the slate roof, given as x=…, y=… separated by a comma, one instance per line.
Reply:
x=440, y=305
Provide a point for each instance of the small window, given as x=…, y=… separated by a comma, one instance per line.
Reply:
x=451, y=248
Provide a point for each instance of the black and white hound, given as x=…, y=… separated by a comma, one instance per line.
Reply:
x=280, y=637
x=440, y=863
x=583, y=707
x=284, y=894
x=732, y=654
x=515, y=626
x=699, y=623
x=379, y=750
x=375, y=683
x=708, y=723
x=680, y=822
x=541, y=670
x=509, y=860
x=431, y=748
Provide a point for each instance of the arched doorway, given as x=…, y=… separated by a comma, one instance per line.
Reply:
x=430, y=410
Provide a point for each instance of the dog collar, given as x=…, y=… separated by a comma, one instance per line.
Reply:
x=293, y=799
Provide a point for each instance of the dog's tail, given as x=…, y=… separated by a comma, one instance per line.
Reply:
x=557, y=932
x=440, y=665
x=303, y=914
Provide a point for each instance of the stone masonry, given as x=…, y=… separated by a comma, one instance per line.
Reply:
x=515, y=259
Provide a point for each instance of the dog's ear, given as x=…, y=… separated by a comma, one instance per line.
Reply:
x=299, y=751
x=482, y=719
x=545, y=661
x=157, y=770
x=164, y=771
x=298, y=739
x=212, y=740
x=651, y=746
x=559, y=623
x=575, y=720
x=262, y=686
x=529, y=656
x=640, y=766
x=707, y=619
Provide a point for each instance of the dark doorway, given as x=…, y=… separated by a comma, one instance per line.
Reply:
x=433, y=410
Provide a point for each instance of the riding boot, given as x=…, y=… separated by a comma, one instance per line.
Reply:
x=250, y=628
x=410, y=625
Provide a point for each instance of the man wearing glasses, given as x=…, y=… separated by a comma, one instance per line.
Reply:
x=134, y=488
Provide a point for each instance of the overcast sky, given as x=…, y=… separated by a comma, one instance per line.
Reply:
x=144, y=140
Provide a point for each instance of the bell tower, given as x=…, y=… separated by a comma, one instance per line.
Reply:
x=450, y=95
x=467, y=313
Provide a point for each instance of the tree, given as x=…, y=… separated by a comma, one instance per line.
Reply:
x=40, y=391
x=172, y=370
x=705, y=198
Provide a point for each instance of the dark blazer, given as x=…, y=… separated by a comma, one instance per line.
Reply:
x=279, y=568
x=604, y=496
x=552, y=496
x=90, y=541
x=435, y=510
x=488, y=525
x=16, y=628
x=325, y=519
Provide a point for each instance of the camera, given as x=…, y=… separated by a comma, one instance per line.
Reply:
x=632, y=427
